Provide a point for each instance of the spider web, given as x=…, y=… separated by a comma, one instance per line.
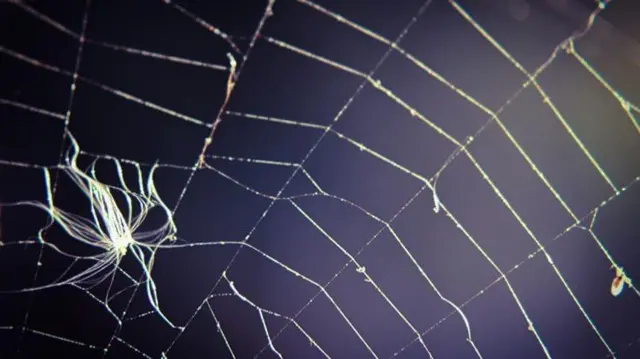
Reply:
x=422, y=179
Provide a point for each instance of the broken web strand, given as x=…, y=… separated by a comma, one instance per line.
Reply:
x=361, y=147
x=126, y=238
x=150, y=287
x=368, y=278
x=78, y=228
x=547, y=100
x=497, y=280
x=109, y=231
x=234, y=75
x=494, y=115
x=360, y=269
x=377, y=84
x=479, y=293
x=367, y=78
x=167, y=59
x=268, y=12
x=260, y=312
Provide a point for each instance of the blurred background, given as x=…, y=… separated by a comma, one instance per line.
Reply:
x=315, y=197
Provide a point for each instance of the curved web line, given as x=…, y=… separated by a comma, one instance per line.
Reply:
x=308, y=154
x=67, y=120
x=568, y=46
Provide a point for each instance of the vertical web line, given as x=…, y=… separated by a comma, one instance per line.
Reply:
x=368, y=79
x=506, y=54
x=543, y=94
x=52, y=192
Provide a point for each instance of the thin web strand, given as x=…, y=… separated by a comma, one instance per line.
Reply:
x=593, y=220
x=494, y=115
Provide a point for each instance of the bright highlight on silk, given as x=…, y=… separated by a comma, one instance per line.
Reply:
x=109, y=229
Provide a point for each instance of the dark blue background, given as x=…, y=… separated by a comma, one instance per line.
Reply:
x=279, y=83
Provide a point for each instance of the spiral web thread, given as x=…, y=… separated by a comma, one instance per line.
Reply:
x=203, y=161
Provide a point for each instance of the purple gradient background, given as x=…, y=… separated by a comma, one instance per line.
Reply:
x=276, y=82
